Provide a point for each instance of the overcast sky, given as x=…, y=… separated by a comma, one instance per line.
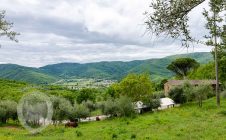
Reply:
x=81, y=31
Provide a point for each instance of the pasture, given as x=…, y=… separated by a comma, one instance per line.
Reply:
x=187, y=122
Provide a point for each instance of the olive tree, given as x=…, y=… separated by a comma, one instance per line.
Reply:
x=122, y=107
x=201, y=93
x=125, y=107
x=79, y=111
x=110, y=108
x=61, y=109
x=8, y=110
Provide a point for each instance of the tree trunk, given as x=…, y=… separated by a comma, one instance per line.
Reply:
x=216, y=62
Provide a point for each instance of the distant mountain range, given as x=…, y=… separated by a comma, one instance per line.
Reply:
x=100, y=70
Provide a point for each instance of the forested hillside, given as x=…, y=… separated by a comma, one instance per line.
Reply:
x=26, y=74
x=104, y=70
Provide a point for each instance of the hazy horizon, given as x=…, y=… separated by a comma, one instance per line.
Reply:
x=101, y=61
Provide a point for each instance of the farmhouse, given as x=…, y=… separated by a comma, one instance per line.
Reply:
x=174, y=83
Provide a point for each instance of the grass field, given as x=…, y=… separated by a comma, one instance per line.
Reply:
x=188, y=122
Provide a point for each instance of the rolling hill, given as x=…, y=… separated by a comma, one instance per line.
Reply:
x=26, y=74
x=103, y=70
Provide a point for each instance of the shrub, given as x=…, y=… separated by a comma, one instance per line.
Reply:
x=8, y=110
x=79, y=111
x=158, y=94
x=223, y=93
x=61, y=109
x=155, y=103
x=3, y=115
x=177, y=94
x=152, y=101
x=110, y=108
x=90, y=105
x=122, y=107
x=125, y=106
x=201, y=93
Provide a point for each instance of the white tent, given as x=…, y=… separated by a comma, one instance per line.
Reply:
x=166, y=103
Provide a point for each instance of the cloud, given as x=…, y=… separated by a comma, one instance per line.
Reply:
x=83, y=31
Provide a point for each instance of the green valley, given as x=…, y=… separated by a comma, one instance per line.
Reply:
x=99, y=70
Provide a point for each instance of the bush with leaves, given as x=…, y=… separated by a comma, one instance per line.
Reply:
x=79, y=111
x=61, y=109
x=201, y=93
x=153, y=101
x=223, y=93
x=110, y=108
x=177, y=94
x=158, y=94
x=188, y=90
x=125, y=107
x=90, y=105
x=113, y=91
x=122, y=107
x=8, y=110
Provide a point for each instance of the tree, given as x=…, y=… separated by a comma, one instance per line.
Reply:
x=205, y=71
x=216, y=31
x=8, y=110
x=5, y=28
x=136, y=86
x=79, y=111
x=113, y=91
x=170, y=17
x=61, y=109
x=182, y=66
x=122, y=107
x=160, y=86
x=90, y=105
x=177, y=94
x=85, y=95
x=125, y=107
x=110, y=108
x=201, y=93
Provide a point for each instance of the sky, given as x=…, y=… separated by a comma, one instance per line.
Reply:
x=83, y=31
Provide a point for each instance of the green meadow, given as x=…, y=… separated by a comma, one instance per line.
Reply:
x=187, y=122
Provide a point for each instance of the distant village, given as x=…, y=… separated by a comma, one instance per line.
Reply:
x=75, y=84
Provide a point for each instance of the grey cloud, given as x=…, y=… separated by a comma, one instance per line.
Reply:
x=50, y=38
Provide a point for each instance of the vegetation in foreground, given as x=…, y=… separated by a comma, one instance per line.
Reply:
x=186, y=122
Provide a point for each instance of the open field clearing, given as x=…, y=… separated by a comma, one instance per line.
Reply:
x=182, y=123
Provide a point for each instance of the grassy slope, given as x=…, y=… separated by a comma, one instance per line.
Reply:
x=183, y=123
